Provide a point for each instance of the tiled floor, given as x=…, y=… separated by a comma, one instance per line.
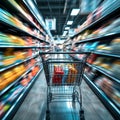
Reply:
x=33, y=107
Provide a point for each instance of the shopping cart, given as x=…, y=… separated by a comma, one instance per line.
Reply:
x=63, y=75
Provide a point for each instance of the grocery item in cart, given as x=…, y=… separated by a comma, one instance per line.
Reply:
x=58, y=74
x=65, y=76
x=72, y=74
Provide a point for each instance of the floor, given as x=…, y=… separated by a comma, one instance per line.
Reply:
x=33, y=107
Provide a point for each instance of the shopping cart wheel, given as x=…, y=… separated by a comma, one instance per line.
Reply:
x=47, y=115
x=82, y=114
x=73, y=97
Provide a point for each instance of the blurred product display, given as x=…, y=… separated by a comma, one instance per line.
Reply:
x=99, y=38
x=22, y=36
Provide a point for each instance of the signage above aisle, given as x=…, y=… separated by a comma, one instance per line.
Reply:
x=51, y=23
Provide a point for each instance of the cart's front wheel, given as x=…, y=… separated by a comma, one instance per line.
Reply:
x=82, y=117
x=47, y=115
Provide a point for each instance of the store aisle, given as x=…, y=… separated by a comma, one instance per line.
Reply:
x=33, y=107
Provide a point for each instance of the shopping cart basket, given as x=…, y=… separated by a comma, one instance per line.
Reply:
x=63, y=76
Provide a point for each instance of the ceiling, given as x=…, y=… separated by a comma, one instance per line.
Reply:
x=60, y=9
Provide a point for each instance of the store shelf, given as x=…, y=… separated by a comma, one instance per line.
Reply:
x=13, y=8
x=44, y=46
x=30, y=5
x=106, y=53
x=103, y=18
x=102, y=53
x=64, y=52
x=18, y=63
x=105, y=72
x=106, y=101
x=13, y=83
x=110, y=35
x=11, y=112
x=10, y=46
x=23, y=31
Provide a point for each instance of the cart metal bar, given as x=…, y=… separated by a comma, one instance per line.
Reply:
x=42, y=53
x=64, y=61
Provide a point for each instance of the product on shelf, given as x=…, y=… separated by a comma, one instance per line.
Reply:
x=14, y=21
x=11, y=96
x=116, y=68
x=92, y=58
x=110, y=88
x=105, y=8
x=22, y=9
x=7, y=99
x=3, y=108
x=107, y=28
x=8, y=39
x=24, y=82
x=115, y=45
x=11, y=75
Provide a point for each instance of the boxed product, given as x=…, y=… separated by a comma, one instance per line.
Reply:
x=58, y=74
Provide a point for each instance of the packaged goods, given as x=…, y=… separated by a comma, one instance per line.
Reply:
x=58, y=74
x=72, y=74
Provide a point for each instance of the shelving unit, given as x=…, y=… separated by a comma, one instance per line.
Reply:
x=23, y=31
x=105, y=72
x=10, y=113
x=37, y=15
x=29, y=36
x=18, y=63
x=100, y=20
x=102, y=39
x=16, y=81
x=5, y=46
x=104, y=53
x=106, y=101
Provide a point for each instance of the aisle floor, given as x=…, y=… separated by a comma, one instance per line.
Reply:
x=34, y=105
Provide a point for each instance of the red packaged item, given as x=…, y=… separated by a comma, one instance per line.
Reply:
x=58, y=74
x=30, y=77
x=92, y=58
x=30, y=52
x=24, y=82
x=32, y=62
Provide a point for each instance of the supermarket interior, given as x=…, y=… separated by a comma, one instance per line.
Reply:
x=59, y=59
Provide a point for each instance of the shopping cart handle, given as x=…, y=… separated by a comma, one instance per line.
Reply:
x=63, y=53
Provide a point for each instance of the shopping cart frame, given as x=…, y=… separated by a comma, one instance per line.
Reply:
x=77, y=95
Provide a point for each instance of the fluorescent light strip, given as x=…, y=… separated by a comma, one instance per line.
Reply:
x=74, y=11
x=69, y=22
x=67, y=28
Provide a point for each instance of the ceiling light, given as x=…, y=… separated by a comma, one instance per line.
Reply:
x=64, y=33
x=69, y=22
x=74, y=12
x=67, y=28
